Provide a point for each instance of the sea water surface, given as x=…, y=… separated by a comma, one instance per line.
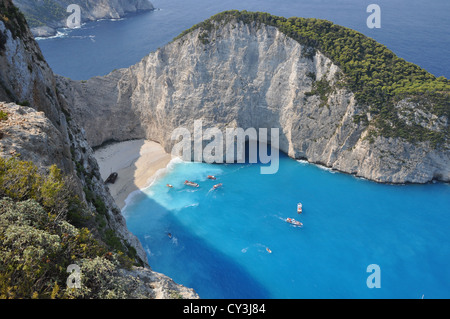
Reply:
x=219, y=238
x=416, y=30
x=216, y=241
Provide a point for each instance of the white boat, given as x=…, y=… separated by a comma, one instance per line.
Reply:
x=299, y=208
x=191, y=184
x=294, y=222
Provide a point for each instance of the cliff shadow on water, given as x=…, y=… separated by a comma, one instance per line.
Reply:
x=187, y=258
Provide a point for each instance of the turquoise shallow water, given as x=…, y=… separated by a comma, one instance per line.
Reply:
x=219, y=237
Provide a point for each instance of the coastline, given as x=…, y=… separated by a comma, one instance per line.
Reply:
x=135, y=161
x=60, y=29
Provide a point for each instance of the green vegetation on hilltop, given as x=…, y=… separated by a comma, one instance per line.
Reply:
x=44, y=13
x=376, y=76
x=38, y=239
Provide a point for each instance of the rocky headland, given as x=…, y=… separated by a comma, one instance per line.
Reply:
x=46, y=17
x=339, y=99
x=36, y=126
x=229, y=72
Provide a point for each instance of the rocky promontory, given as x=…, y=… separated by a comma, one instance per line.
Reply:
x=38, y=132
x=45, y=17
x=338, y=98
x=236, y=71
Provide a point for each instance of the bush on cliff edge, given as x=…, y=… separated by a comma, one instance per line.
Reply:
x=38, y=243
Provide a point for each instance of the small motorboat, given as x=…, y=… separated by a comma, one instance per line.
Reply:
x=299, y=208
x=268, y=250
x=217, y=186
x=294, y=222
x=111, y=178
x=170, y=186
x=212, y=177
x=191, y=184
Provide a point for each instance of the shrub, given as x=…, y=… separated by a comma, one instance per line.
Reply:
x=37, y=242
x=21, y=180
x=36, y=248
x=3, y=115
x=102, y=278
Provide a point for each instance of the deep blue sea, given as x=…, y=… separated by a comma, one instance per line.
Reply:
x=219, y=239
x=416, y=30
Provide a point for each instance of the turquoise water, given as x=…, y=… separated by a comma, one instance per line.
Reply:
x=219, y=237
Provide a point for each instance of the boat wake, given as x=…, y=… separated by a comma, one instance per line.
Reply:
x=260, y=248
x=191, y=205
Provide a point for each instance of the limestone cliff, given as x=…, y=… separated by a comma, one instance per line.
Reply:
x=37, y=126
x=231, y=73
x=44, y=17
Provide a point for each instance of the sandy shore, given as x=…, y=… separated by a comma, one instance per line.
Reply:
x=135, y=162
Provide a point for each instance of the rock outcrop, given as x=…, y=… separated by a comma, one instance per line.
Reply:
x=45, y=17
x=229, y=74
x=250, y=75
x=37, y=126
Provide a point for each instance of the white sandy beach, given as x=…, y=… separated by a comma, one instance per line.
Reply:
x=135, y=162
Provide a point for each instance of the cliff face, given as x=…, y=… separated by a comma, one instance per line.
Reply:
x=252, y=75
x=26, y=78
x=39, y=128
x=45, y=17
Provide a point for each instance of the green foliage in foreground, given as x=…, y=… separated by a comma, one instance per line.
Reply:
x=376, y=76
x=38, y=243
x=20, y=180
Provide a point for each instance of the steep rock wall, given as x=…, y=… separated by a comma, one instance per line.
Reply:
x=249, y=75
x=47, y=16
x=42, y=130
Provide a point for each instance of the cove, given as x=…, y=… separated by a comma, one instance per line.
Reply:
x=216, y=241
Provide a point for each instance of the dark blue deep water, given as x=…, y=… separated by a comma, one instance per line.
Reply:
x=416, y=30
x=219, y=238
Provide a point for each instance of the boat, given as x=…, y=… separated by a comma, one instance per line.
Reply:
x=168, y=185
x=217, y=186
x=212, y=177
x=294, y=222
x=299, y=208
x=191, y=184
x=268, y=250
x=111, y=178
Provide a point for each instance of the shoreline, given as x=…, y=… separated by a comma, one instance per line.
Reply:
x=59, y=29
x=137, y=162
